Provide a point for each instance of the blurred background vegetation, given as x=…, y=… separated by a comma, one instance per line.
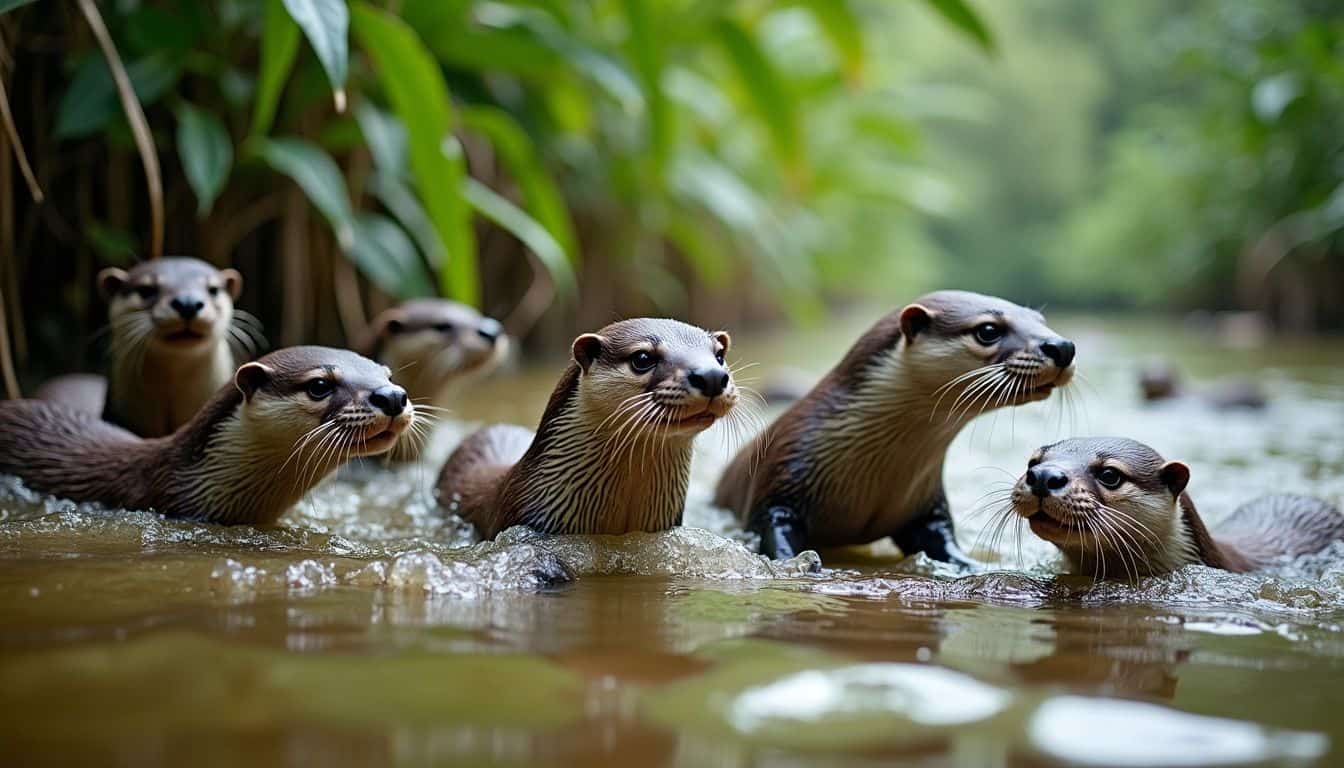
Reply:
x=723, y=161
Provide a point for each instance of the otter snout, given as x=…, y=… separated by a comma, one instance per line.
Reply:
x=1044, y=481
x=187, y=306
x=710, y=382
x=390, y=399
x=1059, y=350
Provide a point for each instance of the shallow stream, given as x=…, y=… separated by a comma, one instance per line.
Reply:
x=366, y=630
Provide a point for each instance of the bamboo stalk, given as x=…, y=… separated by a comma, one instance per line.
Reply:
x=12, y=132
x=135, y=115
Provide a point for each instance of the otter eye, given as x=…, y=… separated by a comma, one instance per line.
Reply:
x=642, y=362
x=320, y=388
x=1110, y=477
x=719, y=356
x=988, y=333
x=147, y=292
x=213, y=290
x=443, y=327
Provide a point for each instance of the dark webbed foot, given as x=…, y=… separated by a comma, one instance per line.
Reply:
x=932, y=533
x=783, y=531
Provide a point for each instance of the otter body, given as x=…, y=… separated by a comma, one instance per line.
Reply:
x=1114, y=506
x=613, y=452
x=860, y=457
x=175, y=340
x=247, y=456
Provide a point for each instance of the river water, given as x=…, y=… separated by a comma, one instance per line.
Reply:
x=367, y=630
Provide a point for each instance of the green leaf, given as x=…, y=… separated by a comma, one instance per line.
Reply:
x=416, y=89
x=541, y=195
x=8, y=5
x=326, y=24
x=645, y=47
x=385, y=137
x=383, y=252
x=91, y=102
x=515, y=220
x=842, y=27
x=206, y=151
x=965, y=19
x=319, y=177
x=398, y=198
x=767, y=91
x=279, y=44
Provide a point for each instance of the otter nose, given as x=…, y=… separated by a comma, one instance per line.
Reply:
x=710, y=381
x=1046, y=481
x=1059, y=350
x=390, y=399
x=490, y=329
x=187, y=306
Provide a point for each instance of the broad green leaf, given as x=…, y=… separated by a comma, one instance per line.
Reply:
x=843, y=28
x=326, y=24
x=319, y=178
x=645, y=47
x=515, y=220
x=541, y=195
x=9, y=5
x=279, y=44
x=206, y=151
x=415, y=87
x=91, y=102
x=385, y=137
x=965, y=19
x=398, y=198
x=766, y=90
x=383, y=252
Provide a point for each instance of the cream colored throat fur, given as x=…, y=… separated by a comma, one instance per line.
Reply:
x=153, y=394
x=579, y=481
x=1153, y=540
x=882, y=456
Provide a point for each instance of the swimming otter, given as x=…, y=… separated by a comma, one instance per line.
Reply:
x=861, y=456
x=248, y=455
x=175, y=340
x=431, y=343
x=1114, y=506
x=613, y=451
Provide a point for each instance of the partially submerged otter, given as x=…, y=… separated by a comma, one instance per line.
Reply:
x=432, y=343
x=1114, y=506
x=248, y=455
x=613, y=451
x=860, y=457
x=175, y=340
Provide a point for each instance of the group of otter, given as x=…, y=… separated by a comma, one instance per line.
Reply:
x=185, y=425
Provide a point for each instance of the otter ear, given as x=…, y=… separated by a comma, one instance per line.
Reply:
x=723, y=338
x=1175, y=476
x=387, y=323
x=915, y=319
x=233, y=282
x=586, y=349
x=251, y=377
x=110, y=281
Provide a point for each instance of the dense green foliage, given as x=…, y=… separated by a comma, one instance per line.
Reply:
x=1149, y=153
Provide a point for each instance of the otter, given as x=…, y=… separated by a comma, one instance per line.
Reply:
x=612, y=454
x=860, y=457
x=1114, y=506
x=250, y=453
x=1159, y=382
x=176, y=338
x=432, y=343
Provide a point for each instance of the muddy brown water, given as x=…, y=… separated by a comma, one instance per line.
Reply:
x=366, y=630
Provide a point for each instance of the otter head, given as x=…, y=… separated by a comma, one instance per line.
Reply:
x=981, y=352
x=172, y=304
x=1158, y=381
x=1104, y=499
x=429, y=343
x=656, y=377
x=327, y=405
